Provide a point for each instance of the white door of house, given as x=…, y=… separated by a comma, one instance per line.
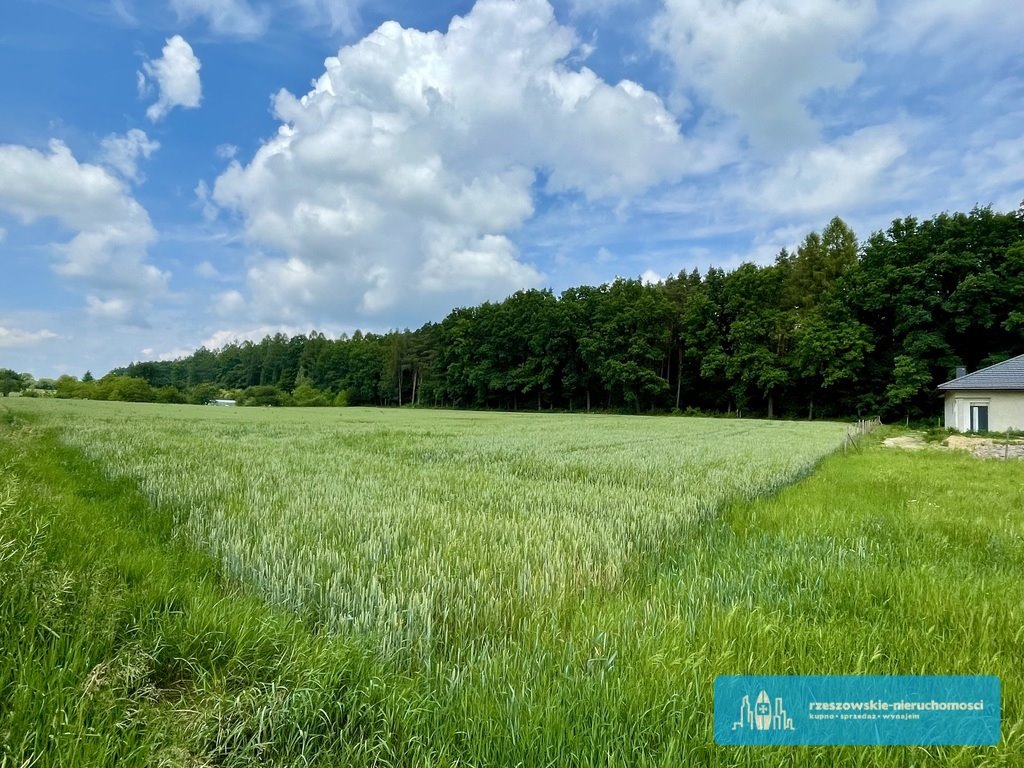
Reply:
x=979, y=418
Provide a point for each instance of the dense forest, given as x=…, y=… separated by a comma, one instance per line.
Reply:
x=835, y=329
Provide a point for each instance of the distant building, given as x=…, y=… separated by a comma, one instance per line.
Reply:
x=222, y=402
x=989, y=400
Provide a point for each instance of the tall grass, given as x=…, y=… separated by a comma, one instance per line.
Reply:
x=497, y=590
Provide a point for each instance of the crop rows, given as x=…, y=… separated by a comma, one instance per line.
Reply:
x=444, y=534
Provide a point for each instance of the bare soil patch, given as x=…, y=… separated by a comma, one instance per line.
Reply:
x=985, y=447
x=908, y=442
x=981, y=447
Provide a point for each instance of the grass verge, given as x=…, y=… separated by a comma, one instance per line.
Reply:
x=121, y=646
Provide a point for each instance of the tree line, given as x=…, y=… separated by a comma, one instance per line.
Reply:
x=834, y=329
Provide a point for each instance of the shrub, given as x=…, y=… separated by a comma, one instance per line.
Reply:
x=169, y=394
x=308, y=396
x=266, y=394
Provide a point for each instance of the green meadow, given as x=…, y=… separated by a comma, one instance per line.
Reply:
x=199, y=586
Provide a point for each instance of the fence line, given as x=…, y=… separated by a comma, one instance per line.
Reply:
x=858, y=430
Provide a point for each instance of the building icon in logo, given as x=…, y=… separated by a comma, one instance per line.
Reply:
x=763, y=716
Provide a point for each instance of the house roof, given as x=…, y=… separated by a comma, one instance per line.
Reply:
x=1008, y=374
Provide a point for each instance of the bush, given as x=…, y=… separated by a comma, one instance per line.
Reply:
x=68, y=387
x=308, y=396
x=169, y=394
x=266, y=395
x=127, y=389
x=201, y=394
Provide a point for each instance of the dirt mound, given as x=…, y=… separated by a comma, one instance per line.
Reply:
x=985, y=447
x=964, y=443
x=982, y=447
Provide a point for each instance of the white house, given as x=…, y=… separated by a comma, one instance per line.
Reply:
x=989, y=400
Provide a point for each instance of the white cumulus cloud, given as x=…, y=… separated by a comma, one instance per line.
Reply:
x=122, y=153
x=222, y=337
x=108, y=252
x=850, y=173
x=761, y=60
x=403, y=174
x=228, y=303
x=650, y=277
x=176, y=74
x=115, y=309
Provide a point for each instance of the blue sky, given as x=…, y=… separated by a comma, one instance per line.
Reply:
x=177, y=173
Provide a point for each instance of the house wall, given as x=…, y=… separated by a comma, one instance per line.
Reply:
x=1005, y=409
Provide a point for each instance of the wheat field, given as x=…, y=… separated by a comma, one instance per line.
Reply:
x=441, y=533
x=386, y=587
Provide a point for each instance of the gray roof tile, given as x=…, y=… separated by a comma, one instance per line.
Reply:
x=1008, y=374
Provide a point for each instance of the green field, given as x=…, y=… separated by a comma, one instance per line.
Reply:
x=202, y=586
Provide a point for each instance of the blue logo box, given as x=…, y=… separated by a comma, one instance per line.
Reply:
x=766, y=710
